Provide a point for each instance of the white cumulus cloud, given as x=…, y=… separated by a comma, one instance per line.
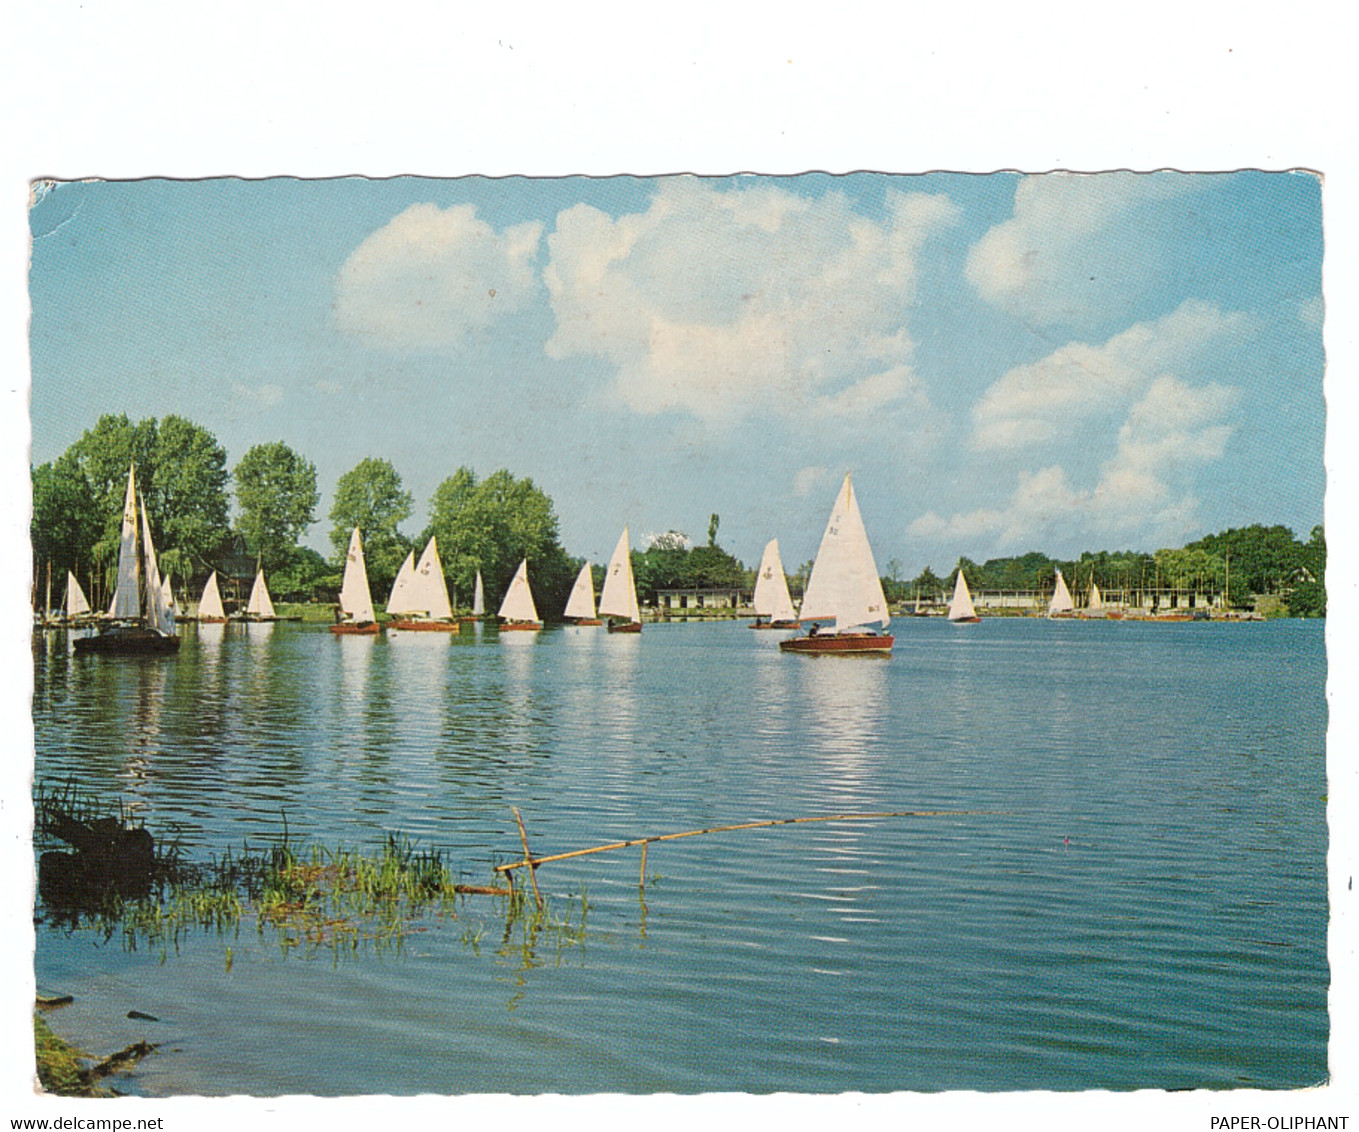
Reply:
x=432, y=278
x=721, y=302
x=1074, y=245
x=1054, y=398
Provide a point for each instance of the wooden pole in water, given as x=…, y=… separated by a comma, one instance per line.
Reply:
x=528, y=858
x=533, y=862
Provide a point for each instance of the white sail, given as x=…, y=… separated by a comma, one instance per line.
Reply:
x=619, y=598
x=210, y=604
x=157, y=609
x=127, y=604
x=260, y=604
x=1061, y=598
x=76, y=604
x=478, y=598
x=429, y=591
x=170, y=603
x=1096, y=601
x=400, y=599
x=581, y=603
x=771, y=597
x=844, y=582
x=356, y=599
x=518, y=604
x=961, y=608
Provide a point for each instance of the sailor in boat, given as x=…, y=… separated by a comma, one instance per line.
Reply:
x=815, y=629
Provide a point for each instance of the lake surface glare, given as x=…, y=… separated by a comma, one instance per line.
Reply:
x=1139, y=901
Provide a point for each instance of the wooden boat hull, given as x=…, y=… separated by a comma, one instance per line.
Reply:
x=211, y=620
x=520, y=626
x=368, y=628
x=776, y=625
x=416, y=626
x=840, y=644
x=588, y=621
x=964, y=620
x=127, y=642
x=625, y=626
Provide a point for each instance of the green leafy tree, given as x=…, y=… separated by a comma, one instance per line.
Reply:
x=276, y=496
x=188, y=483
x=65, y=524
x=1308, y=596
x=492, y=525
x=370, y=496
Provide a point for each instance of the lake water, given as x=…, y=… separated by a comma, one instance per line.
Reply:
x=1141, y=904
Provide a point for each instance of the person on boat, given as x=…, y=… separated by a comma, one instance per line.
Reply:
x=815, y=629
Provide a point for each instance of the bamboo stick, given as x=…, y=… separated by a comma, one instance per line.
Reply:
x=534, y=862
x=528, y=858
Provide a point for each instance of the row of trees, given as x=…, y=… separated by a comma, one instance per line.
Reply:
x=491, y=524
x=1239, y=563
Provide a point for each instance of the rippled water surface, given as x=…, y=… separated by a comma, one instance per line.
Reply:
x=1142, y=903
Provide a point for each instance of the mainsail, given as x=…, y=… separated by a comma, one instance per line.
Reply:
x=518, y=604
x=1096, y=601
x=158, y=610
x=961, y=608
x=210, y=604
x=844, y=582
x=356, y=599
x=260, y=604
x=1061, y=598
x=76, y=603
x=581, y=603
x=400, y=599
x=429, y=591
x=127, y=604
x=478, y=598
x=771, y=597
x=619, y=598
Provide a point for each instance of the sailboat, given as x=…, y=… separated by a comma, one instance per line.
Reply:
x=419, y=598
x=517, y=611
x=210, y=607
x=478, y=601
x=1061, y=604
x=1095, y=606
x=77, y=606
x=773, y=605
x=618, y=602
x=845, y=586
x=355, y=613
x=581, y=604
x=960, y=609
x=143, y=624
x=260, y=607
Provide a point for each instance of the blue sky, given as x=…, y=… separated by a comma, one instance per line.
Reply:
x=1006, y=363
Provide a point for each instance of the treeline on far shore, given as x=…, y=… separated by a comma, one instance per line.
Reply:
x=490, y=523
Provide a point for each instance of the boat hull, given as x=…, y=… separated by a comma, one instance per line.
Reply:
x=776, y=625
x=964, y=620
x=588, y=621
x=128, y=642
x=368, y=628
x=840, y=644
x=625, y=626
x=520, y=626
x=416, y=626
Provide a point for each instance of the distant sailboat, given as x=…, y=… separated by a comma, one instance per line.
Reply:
x=1061, y=604
x=618, y=602
x=517, y=611
x=960, y=609
x=581, y=604
x=1095, y=606
x=420, y=602
x=356, y=599
x=144, y=624
x=478, y=598
x=76, y=604
x=261, y=605
x=772, y=602
x=845, y=586
x=210, y=608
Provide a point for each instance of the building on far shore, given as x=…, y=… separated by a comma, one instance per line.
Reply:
x=699, y=597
